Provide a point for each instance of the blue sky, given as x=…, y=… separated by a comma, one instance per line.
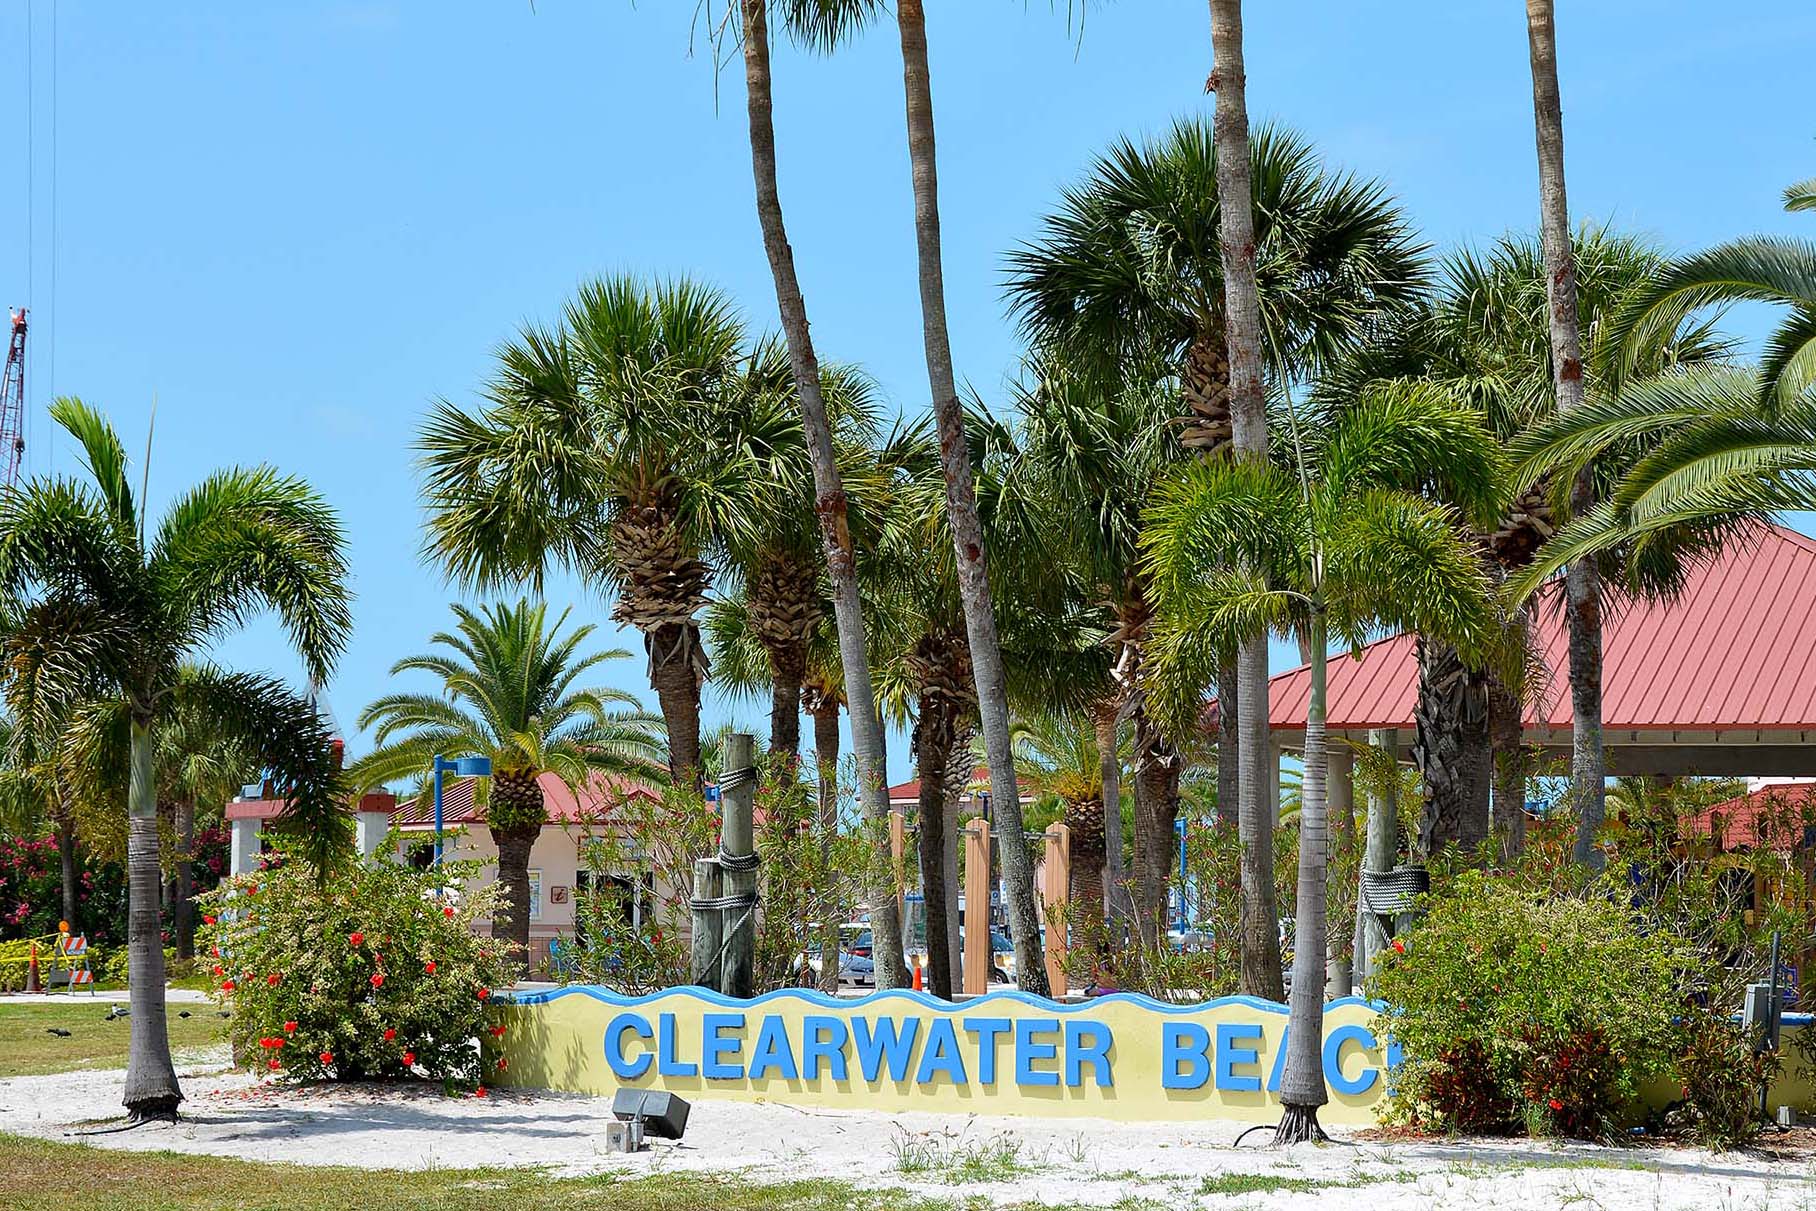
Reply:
x=297, y=224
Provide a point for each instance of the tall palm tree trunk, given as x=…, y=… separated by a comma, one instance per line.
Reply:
x=786, y=670
x=183, y=916
x=1511, y=760
x=1452, y=748
x=829, y=502
x=935, y=738
x=826, y=762
x=1156, y=814
x=1582, y=581
x=1104, y=717
x=1229, y=747
x=1302, y=1087
x=151, y=1079
x=69, y=861
x=675, y=676
x=961, y=510
x=512, y=923
x=1261, y=976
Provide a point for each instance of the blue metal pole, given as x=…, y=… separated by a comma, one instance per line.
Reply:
x=1180, y=824
x=438, y=768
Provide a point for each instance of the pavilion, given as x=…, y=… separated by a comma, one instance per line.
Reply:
x=1719, y=681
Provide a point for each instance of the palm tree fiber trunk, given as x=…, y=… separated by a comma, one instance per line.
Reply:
x=1229, y=747
x=934, y=732
x=512, y=924
x=826, y=759
x=1156, y=813
x=676, y=680
x=71, y=866
x=152, y=1091
x=1118, y=905
x=787, y=668
x=183, y=916
x=829, y=499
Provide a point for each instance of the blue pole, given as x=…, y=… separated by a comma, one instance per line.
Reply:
x=1182, y=913
x=438, y=809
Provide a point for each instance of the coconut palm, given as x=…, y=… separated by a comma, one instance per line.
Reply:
x=822, y=25
x=610, y=445
x=108, y=599
x=1130, y=270
x=1333, y=546
x=511, y=691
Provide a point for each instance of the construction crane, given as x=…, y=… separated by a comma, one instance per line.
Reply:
x=12, y=402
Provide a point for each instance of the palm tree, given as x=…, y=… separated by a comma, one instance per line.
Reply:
x=986, y=655
x=113, y=600
x=1060, y=755
x=1130, y=271
x=611, y=445
x=1339, y=543
x=199, y=766
x=1582, y=582
x=1089, y=456
x=511, y=692
x=822, y=24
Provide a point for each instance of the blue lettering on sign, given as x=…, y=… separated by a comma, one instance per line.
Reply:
x=1088, y=1042
x=714, y=1045
x=666, y=1063
x=892, y=1040
x=773, y=1050
x=823, y=1038
x=1182, y=1060
x=1027, y=1051
x=940, y=1054
x=1273, y=1078
x=623, y=1069
x=987, y=1030
x=1333, y=1060
x=1229, y=1055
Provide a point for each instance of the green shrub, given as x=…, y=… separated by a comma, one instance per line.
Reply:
x=369, y=973
x=1515, y=1009
x=1720, y=1070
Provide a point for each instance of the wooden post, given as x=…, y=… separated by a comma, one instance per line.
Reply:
x=738, y=857
x=977, y=906
x=949, y=860
x=1056, y=878
x=708, y=936
x=898, y=846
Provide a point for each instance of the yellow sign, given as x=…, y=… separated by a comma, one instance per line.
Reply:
x=1120, y=1056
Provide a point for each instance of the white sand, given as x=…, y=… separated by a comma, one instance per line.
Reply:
x=1090, y=1162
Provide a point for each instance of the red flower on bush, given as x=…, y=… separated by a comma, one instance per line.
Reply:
x=484, y=993
x=497, y=1032
x=289, y=1027
x=273, y=978
x=219, y=970
x=1556, y=1105
x=274, y=1065
x=409, y=1058
x=447, y=912
x=355, y=938
x=429, y=967
x=228, y=985
x=390, y=1034
x=378, y=979
x=207, y=920
x=480, y=1092
x=502, y=1064
x=327, y=1057
x=1399, y=946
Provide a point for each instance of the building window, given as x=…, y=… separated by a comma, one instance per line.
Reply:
x=535, y=895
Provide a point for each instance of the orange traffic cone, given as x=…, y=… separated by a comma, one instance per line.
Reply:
x=919, y=985
x=31, y=972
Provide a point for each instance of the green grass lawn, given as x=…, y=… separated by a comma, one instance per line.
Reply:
x=27, y=1048
x=43, y=1174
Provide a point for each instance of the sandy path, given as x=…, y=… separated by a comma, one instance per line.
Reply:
x=1075, y=1161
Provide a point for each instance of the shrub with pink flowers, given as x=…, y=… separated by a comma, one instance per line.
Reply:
x=371, y=973
x=31, y=893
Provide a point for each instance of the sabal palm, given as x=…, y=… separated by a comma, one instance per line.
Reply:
x=1349, y=544
x=1059, y=754
x=112, y=601
x=511, y=692
x=1130, y=266
x=1089, y=457
x=607, y=444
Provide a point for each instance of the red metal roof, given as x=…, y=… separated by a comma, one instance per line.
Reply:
x=910, y=791
x=1735, y=651
x=602, y=794
x=265, y=809
x=1777, y=816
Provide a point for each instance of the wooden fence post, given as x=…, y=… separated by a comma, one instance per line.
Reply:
x=977, y=906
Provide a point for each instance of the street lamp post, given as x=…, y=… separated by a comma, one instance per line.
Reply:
x=465, y=767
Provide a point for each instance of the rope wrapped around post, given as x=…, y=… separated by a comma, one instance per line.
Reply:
x=725, y=887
